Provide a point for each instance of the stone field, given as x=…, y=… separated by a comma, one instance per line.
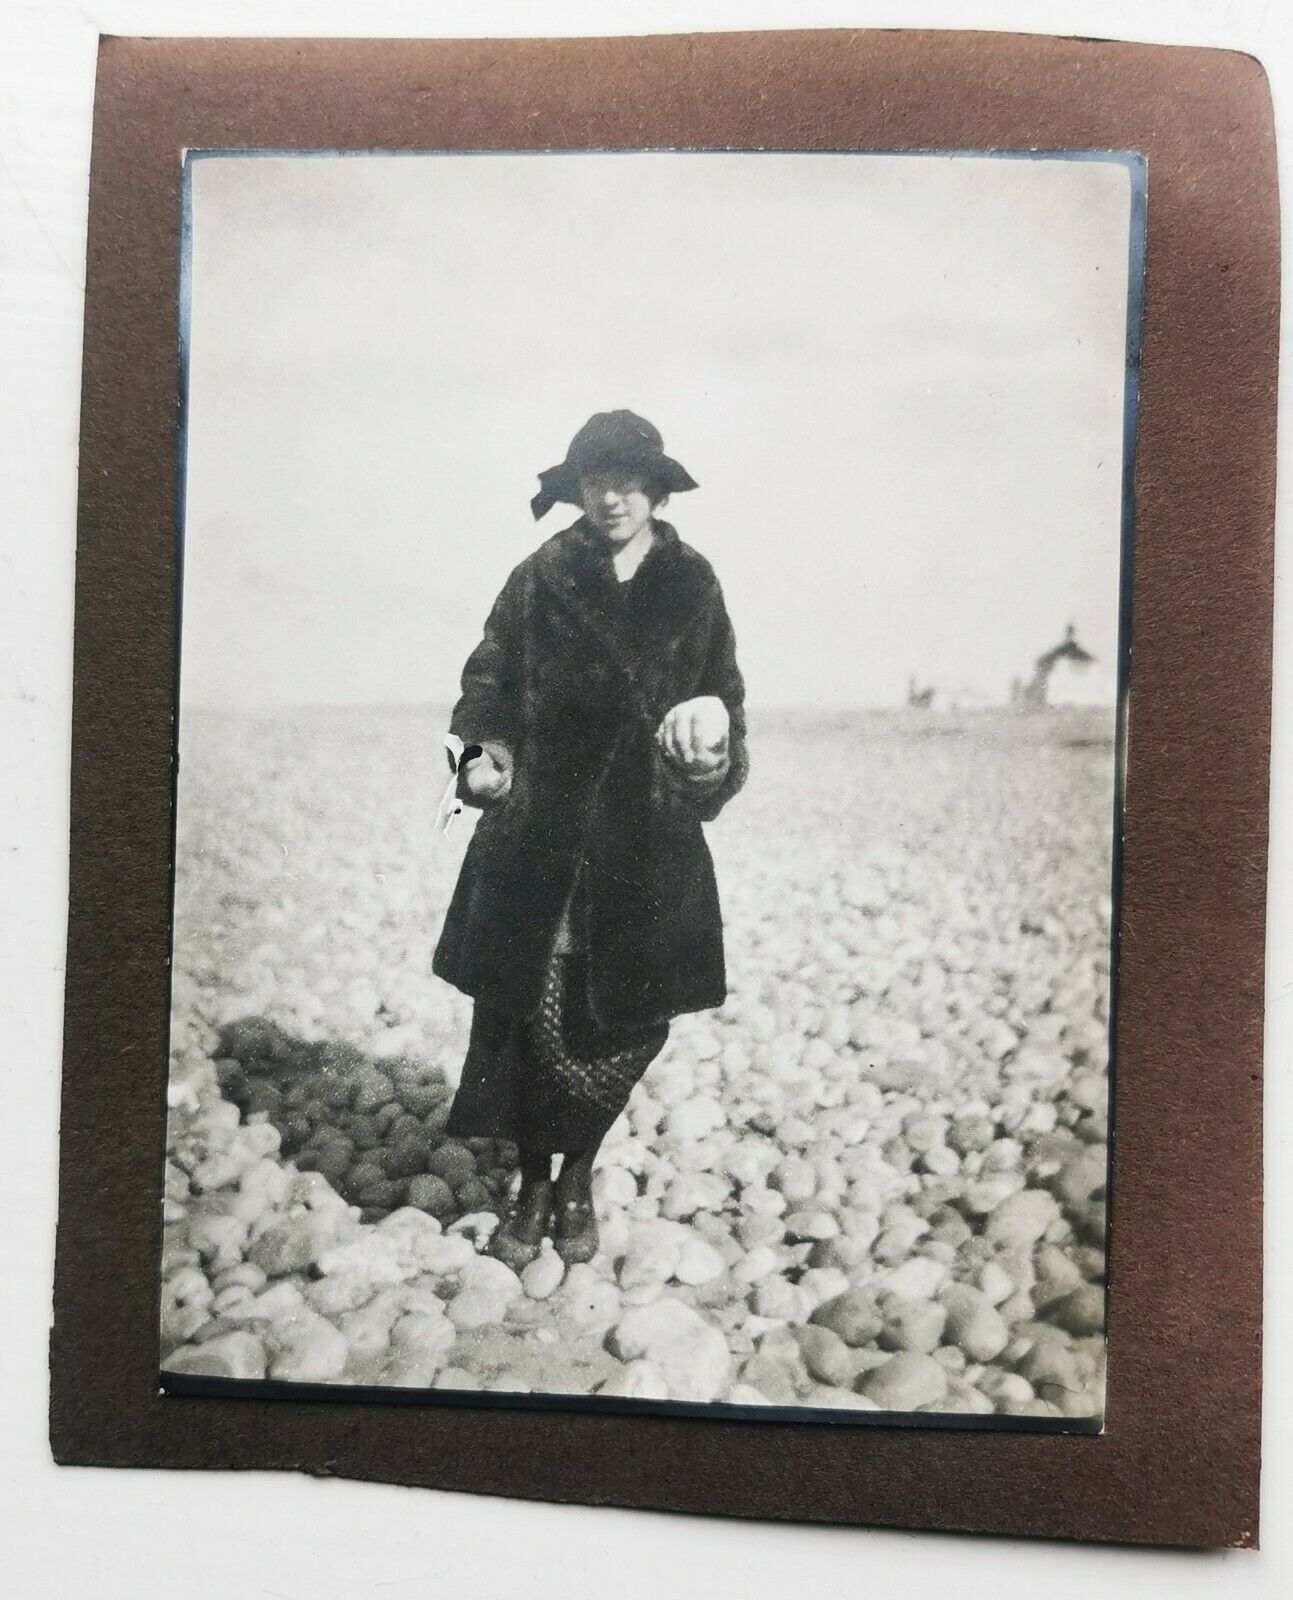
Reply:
x=873, y=1182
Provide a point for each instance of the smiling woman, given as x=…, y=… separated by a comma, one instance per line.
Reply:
x=610, y=710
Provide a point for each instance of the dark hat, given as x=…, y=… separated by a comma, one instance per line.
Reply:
x=610, y=439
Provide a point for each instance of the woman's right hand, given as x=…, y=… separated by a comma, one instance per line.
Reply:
x=488, y=776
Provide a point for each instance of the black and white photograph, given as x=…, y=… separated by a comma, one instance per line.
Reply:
x=654, y=654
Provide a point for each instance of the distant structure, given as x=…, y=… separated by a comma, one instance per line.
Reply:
x=938, y=697
x=1032, y=696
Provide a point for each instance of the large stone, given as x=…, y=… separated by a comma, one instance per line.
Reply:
x=694, y=1118
x=772, y=1377
x=638, y=1380
x=429, y=1192
x=373, y=1090
x=189, y=1286
x=854, y=1316
x=796, y=1179
x=267, y=1178
x=755, y=1230
x=691, y=1192
x=995, y=1282
x=478, y=1226
x=749, y=1161
x=987, y=1194
x=279, y=1303
x=745, y=1394
x=236, y=1354
x=756, y=1265
x=776, y=1298
x=341, y=1292
x=383, y=1196
x=486, y=1288
x=298, y=1241
x=970, y=1132
x=411, y=1367
x=219, y=1238
x=218, y=1171
x=1057, y=1275
x=898, y=1241
x=1051, y=1362
x=819, y=1284
x=1007, y=1390
x=446, y=1255
x=614, y=1186
x=588, y=1300
x=698, y=1262
x=811, y=1226
x=542, y=1277
x=915, y=1325
x=367, y=1332
x=906, y=1382
x=453, y=1162
x=654, y=1251
x=974, y=1324
x=826, y=1356
x=306, y=1350
x=244, y=1274
x=1022, y=1219
x=379, y=1258
x=429, y=1332
x=691, y=1355
x=917, y=1278
x=963, y=1396
x=1083, y=1175
x=924, y=1130
x=1082, y=1311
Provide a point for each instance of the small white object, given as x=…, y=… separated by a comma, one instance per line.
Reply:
x=451, y=807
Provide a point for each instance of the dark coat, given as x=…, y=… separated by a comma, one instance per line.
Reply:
x=576, y=692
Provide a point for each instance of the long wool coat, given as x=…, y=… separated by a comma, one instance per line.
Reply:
x=577, y=698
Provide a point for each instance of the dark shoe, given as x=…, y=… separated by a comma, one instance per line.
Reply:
x=518, y=1238
x=576, y=1238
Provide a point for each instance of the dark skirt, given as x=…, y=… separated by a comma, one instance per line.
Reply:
x=555, y=1080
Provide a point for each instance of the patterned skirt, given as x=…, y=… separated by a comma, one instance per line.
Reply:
x=557, y=1079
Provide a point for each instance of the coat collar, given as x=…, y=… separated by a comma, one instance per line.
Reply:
x=575, y=566
x=576, y=563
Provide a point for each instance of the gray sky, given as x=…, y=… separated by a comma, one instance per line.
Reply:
x=897, y=379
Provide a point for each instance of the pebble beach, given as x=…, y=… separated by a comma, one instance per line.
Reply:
x=874, y=1181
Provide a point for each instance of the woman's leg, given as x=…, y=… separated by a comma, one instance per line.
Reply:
x=575, y=1232
x=519, y=1237
x=536, y=1165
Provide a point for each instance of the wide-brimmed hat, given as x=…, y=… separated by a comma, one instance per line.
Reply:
x=610, y=439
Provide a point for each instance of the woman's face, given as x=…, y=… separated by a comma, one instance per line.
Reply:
x=615, y=503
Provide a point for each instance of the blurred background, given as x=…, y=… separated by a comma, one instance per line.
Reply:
x=898, y=380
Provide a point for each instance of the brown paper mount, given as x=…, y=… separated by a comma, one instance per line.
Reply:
x=1178, y=1460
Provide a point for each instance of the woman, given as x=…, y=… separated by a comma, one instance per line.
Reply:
x=609, y=709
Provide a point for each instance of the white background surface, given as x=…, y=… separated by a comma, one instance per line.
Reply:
x=78, y=1532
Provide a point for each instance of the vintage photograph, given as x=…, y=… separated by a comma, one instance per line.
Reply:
x=654, y=655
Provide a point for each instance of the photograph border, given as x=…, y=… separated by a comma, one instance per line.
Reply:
x=1189, y=994
x=1133, y=163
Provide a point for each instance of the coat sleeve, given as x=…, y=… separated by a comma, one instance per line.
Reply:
x=703, y=797
x=488, y=709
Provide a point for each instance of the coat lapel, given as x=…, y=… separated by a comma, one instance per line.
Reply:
x=576, y=569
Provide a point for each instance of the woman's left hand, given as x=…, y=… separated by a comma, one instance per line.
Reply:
x=694, y=734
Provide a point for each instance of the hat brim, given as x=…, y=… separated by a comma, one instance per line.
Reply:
x=561, y=483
